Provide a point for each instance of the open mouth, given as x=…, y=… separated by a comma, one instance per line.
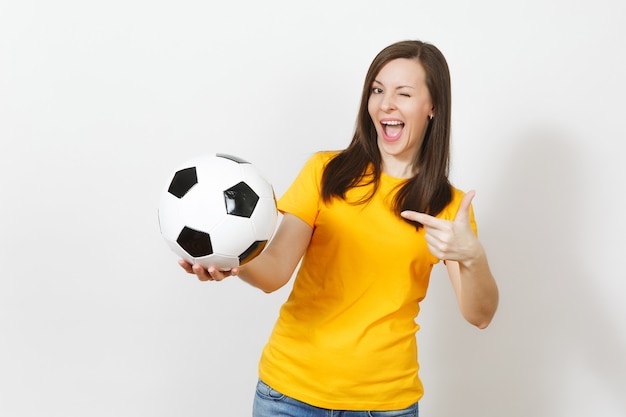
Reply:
x=392, y=129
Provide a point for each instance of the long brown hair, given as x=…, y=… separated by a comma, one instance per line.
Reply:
x=429, y=190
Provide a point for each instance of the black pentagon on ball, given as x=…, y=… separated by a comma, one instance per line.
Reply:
x=183, y=181
x=195, y=242
x=240, y=200
x=232, y=158
x=252, y=251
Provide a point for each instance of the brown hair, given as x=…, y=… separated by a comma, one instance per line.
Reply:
x=429, y=189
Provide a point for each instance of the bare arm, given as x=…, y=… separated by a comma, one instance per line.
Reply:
x=275, y=265
x=476, y=290
x=454, y=242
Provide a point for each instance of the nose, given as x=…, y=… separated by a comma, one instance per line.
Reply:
x=387, y=103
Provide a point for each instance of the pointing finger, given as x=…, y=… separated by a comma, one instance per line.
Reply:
x=423, y=218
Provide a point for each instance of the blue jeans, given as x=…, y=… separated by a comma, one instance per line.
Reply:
x=271, y=403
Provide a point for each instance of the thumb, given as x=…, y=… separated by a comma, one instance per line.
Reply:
x=463, y=214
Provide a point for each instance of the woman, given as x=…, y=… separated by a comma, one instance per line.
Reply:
x=368, y=223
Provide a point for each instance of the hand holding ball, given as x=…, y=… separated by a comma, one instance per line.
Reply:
x=217, y=210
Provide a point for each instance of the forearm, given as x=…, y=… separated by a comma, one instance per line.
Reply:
x=477, y=292
x=274, y=267
x=266, y=272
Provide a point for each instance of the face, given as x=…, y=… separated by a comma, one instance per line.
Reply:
x=400, y=106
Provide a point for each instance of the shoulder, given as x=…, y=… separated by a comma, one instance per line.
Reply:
x=323, y=157
x=320, y=159
x=457, y=194
x=449, y=212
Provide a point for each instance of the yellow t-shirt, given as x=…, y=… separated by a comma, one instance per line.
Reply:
x=345, y=338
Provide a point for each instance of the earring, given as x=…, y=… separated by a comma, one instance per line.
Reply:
x=430, y=117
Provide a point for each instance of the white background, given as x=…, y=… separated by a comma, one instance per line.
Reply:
x=99, y=100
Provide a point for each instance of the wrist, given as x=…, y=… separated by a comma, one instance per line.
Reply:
x=474, y=257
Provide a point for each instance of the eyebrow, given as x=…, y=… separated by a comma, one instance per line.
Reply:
x=398, y=87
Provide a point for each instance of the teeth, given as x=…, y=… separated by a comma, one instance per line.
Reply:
x=392, y=122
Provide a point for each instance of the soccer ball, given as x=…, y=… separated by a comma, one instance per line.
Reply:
x=217, y=210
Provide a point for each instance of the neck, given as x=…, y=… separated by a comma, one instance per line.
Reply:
x=397, y=169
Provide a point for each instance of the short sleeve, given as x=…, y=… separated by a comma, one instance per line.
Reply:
x=449, y=213
x=302, y=198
